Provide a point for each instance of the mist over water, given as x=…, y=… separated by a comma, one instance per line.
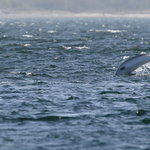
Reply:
x=58, y=85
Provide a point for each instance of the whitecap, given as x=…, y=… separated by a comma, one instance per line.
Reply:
x=52, y=31
x=54, y=41
x=29, y=74
x=111, y=31
x=84, y=39
x=115, y=31
x=91, y=30
x=29, y=36
x=27, y=45
x=99, y=30
x=56, y=58
x=82, y=47
x=26, y=73
x=15, y=72
x=5, y=36
x=4, y=82
x=66, y=47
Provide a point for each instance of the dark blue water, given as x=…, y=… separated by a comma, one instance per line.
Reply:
x=58, y=88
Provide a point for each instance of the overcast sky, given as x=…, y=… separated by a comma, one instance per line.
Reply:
x=77, y=6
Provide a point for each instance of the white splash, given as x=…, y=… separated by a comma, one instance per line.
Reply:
x=125, y=57
x=143, y=53
x=143, y=70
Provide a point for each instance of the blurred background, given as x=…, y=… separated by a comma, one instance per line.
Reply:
x=77, y=6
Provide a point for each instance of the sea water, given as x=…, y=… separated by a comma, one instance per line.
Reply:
x=58, y=89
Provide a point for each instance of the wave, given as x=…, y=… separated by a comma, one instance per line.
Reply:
x=111, y=31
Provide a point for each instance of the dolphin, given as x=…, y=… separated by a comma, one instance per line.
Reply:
x=131, y=64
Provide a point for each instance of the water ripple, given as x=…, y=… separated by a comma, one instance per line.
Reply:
x=58, y=86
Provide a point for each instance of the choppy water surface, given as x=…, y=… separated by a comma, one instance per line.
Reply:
x=58, y=88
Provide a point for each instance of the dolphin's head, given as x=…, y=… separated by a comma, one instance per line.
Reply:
x=122, y=70
x=125, y=69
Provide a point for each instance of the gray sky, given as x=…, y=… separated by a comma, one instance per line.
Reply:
x=77, y=6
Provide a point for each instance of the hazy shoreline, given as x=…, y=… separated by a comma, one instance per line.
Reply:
x=35, y=14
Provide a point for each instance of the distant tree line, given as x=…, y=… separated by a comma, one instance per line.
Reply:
x=77, y=6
